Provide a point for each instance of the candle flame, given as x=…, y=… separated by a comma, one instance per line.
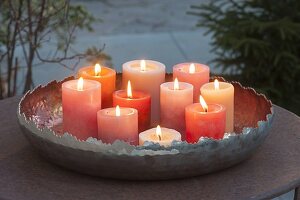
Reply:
x=143, y=65
x=129, y=91
x=97, y=70
x=192, y=68
x=118, y=111
x=80, y=84
x=158, y=132
x=176, y=84
x=217, y=85
x=203, y=104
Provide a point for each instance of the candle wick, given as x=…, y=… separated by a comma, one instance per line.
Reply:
x=205, y=110
x=159, y=137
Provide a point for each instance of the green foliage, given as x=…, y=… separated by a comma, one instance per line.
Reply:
x=258, y=42
x=31, y=24
x=58, y=17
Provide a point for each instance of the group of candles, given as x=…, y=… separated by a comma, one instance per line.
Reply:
x=188, y=108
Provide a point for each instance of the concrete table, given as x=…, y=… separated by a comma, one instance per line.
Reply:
x=273, y=170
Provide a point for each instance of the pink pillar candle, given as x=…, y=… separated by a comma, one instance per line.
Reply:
x=174, y=97
x=80, y=105
x=201, y=122
x=141, y=101
x=193, y=73
x=118, y=124
x=146, y=76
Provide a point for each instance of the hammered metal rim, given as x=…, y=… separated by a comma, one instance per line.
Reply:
x=122, y=148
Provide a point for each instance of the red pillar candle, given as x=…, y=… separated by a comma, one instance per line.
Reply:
x=174, y=97
x=81, y=99
x=141, y=101
x=118, y=124
x=204, y=120
x=194, y=73
x=105, y=76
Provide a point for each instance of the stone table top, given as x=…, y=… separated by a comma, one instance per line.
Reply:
x=273, y=170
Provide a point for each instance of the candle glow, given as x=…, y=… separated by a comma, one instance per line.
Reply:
x=143, y=65
x=176, y=84
x=203, y=104
x=80, y=84
x=216, y=84
x=129, y=90
x=192, y=68
x=158, y=132
x=118, y=111
x=97, y=70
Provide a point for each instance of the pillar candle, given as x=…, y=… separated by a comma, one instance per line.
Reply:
x=163, y=136
x=205, y=120
x=118, y=124
x=141, y=101
x=105, y=76
x=221, y=93
x=193, y=73
x=146, y=76
x=81, y=99
x=174, y=97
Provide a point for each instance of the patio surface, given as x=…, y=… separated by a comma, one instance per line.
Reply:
x=139, y=29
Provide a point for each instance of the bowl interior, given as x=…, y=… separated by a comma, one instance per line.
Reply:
x=43, y=105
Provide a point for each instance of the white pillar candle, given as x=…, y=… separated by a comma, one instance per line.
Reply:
x=146, y=76
x=221, y=93
x=163, y=136
x=174, y=97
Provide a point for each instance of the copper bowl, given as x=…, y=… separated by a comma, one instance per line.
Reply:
x=40, y=115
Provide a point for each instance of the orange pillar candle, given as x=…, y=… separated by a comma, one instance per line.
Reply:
x=118, y=124
x=221, y=93
x=204, y=120
x=135, y=99
x=81, y=100
x=105, y=76
x=194, y=73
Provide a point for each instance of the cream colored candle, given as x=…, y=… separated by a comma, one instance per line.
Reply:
x=174, y=97
x=163, y=136
x=146, y=76
x=221, y=93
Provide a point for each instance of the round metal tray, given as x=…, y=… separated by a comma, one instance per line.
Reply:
x=40, y=117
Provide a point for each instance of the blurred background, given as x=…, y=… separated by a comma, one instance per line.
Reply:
x=256, y=42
